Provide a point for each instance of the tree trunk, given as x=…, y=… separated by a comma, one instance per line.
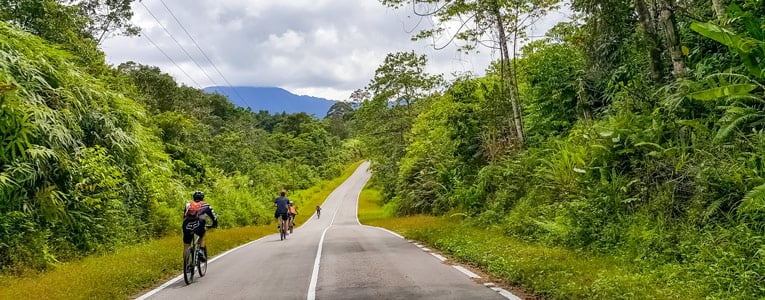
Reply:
x=719, y=7
x=581, y=101
x=652, y=41
x=517, y=119
x=670, y=33
x=518, y=107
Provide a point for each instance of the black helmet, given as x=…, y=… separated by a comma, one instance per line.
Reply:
x=199, y=196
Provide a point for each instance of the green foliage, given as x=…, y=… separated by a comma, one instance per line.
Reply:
x=384, y=121
x=750, y=50
x=552, y=75
x=619, y=161
x=86, y=169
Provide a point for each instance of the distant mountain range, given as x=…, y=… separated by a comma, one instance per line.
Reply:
x=273, y=99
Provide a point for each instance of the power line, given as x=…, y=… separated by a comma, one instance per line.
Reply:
x=201, y=51
x=169, y=58
x=178, y=43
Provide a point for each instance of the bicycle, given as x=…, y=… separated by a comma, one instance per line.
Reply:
x=190, y=262
x=283, y=229
x=291, y=222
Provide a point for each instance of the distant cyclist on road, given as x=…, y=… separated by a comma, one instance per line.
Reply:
x=194, y=219
x=318, y=211
x=282, y=207
x=292, y=210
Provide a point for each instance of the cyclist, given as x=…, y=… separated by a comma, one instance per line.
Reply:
x=282, y=207
x=318, y=211
x=194, y=219
x=292, y=210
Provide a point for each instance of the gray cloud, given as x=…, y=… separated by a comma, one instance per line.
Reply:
x=318, y=47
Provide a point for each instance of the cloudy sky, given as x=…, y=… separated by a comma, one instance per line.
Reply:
x=323, y=48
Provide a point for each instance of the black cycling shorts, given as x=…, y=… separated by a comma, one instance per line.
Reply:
x=190, y=227
x=285, y=216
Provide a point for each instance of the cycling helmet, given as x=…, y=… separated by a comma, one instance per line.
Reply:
x=199, y=196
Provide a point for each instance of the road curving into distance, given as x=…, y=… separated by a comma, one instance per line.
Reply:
x=334, y=257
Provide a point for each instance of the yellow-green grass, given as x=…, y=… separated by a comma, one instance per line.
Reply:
x=370, y=206
x=553, y=273
x=123, y=273
x=129, y=271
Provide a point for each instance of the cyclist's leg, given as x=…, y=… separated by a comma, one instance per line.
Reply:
x=201, y=232
x=285, y=219
x=188, y=235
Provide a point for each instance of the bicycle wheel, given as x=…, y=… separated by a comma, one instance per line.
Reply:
x=188, y=265
x=292, y=225
x=202, y=267
x=283, y=231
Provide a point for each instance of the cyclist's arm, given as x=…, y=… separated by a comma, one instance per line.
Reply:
x=210, y=212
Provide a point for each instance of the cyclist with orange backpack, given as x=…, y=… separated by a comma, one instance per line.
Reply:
x=194, y=220
x=292, y=211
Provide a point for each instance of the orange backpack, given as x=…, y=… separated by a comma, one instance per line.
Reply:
x=192, y=213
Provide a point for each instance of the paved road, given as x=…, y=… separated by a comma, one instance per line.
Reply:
x=355, y=262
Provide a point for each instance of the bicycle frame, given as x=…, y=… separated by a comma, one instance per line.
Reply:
x=283, y=228
x=191, y=260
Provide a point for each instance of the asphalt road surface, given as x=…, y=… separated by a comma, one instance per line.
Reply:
x=333, y=257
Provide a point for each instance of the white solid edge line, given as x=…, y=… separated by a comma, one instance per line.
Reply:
x=159, y=288
x=466, y=272
x=441, y=258
x=505, y=293
x=315, y=273
x=425, y=249
x=171, y=281
x=386, y=230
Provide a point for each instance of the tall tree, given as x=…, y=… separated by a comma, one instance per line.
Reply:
x=651, y=40
x=495, y=24
x=106, y=17
x=671, y=37
x=385, y=120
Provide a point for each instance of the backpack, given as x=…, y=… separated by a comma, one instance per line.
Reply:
x=193, y=211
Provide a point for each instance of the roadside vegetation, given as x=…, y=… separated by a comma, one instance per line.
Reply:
x=96, y=159
x=626, y=144
x=136, y=269
x=548, y=272
x=633, y=133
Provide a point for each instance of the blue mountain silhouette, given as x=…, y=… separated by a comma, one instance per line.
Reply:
x=273, y=99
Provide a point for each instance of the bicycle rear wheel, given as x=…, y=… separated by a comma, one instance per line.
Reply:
x=202, y=267
x=189, y=261
x=283, y=231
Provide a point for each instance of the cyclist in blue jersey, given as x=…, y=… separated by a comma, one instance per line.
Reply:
x=282, y=207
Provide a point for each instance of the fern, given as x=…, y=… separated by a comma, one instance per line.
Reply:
x=727, y=130
x=754, y=200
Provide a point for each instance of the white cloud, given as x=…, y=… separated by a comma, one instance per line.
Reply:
x=323, y=48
